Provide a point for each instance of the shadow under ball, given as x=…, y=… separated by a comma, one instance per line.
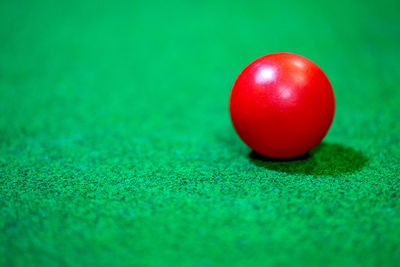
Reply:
x=282, y=105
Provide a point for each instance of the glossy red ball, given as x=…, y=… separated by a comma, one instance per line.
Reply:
x=282, y=105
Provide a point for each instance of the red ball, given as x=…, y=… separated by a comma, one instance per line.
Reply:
x=282, y=105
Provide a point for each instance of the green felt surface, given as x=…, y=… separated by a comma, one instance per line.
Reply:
x=117, y=148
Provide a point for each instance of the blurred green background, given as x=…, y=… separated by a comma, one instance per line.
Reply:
x=117, y=148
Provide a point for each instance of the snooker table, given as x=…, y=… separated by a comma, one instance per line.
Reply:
x=117, y=148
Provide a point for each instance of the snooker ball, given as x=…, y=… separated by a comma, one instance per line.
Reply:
x=282, y=105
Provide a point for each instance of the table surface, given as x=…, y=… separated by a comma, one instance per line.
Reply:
x=117, y=147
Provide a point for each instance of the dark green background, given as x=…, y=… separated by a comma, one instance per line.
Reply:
x=117, y=148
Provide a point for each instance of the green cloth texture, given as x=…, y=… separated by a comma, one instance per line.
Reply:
x=117, y=148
